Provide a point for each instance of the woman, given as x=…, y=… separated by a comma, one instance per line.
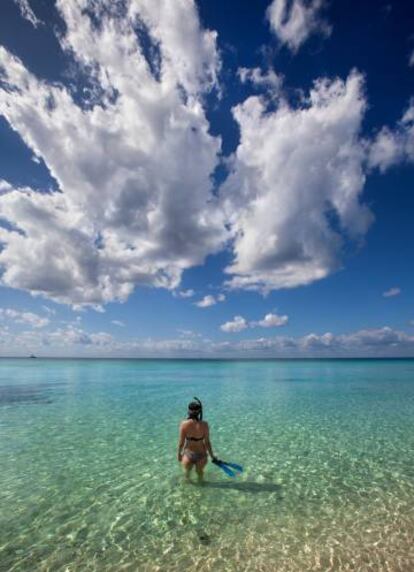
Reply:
x=194, y=441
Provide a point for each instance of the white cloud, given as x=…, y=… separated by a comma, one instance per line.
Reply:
x=118, y=323
x=207, y=301
x=393, y=146
x=386, y=149
x=376, y=342
x=74, y=336
x=272, y=321
x=133, y=161
x=293, y=196
x=5, y=187
x=362, y=340
x=184, y=293
x=294, y=21
x=258, y=78
x=371, y=342
x=21, y=317
x=27, y=12
x=269, y=321
x=411, y=60
x=236, y=325
x=210, y=300
x=392, y=292
x=191, y=59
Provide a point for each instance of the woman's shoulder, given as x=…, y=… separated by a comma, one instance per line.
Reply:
x=188, y=422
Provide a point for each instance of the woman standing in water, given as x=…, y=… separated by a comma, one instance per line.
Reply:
x=194, y=441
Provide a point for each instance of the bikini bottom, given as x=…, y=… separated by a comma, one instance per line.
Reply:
x=195, y=457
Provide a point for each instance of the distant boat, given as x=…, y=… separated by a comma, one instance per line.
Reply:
x=32, y=356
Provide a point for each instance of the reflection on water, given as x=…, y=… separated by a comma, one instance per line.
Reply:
x=89, y=479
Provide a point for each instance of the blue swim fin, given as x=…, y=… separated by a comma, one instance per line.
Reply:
x=234, y=466
x=224, y=468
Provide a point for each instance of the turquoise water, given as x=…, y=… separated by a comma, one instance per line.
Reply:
x=89, y=478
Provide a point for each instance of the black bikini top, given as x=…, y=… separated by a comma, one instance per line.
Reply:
x=194, y=438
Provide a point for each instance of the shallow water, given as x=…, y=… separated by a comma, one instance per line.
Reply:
x=89, y=478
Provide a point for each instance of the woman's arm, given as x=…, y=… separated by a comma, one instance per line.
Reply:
x=181, y=441
x=207, y=442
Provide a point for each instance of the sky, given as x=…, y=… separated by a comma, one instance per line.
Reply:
x=206, y=179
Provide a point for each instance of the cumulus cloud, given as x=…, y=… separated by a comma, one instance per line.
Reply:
x=375, y=342
x=27, y=12
x=5, y=187
x=133, y=156
x=269, y=321
x=73, y=336
x=293, y=21
x=383, y=341
x=118, y=323
x=21, y=317
x=386, y=149
x=293, y=195
x=392, y=292
x=272, y=321
x=132, y=159
x=393, y=146
x=236, y=325
x=370, y=339
x=210, y=300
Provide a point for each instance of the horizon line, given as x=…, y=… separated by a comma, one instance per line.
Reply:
x=205, y=358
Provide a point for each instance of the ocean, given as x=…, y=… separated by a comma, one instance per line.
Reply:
x=89, y=479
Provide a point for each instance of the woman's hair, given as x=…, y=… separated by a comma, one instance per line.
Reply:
x=195, y=410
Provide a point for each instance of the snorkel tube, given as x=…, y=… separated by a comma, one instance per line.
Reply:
x=201, y=407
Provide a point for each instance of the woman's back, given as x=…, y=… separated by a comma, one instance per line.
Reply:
x=195, y=432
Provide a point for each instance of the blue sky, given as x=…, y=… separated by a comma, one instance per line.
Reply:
x=206, y=178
